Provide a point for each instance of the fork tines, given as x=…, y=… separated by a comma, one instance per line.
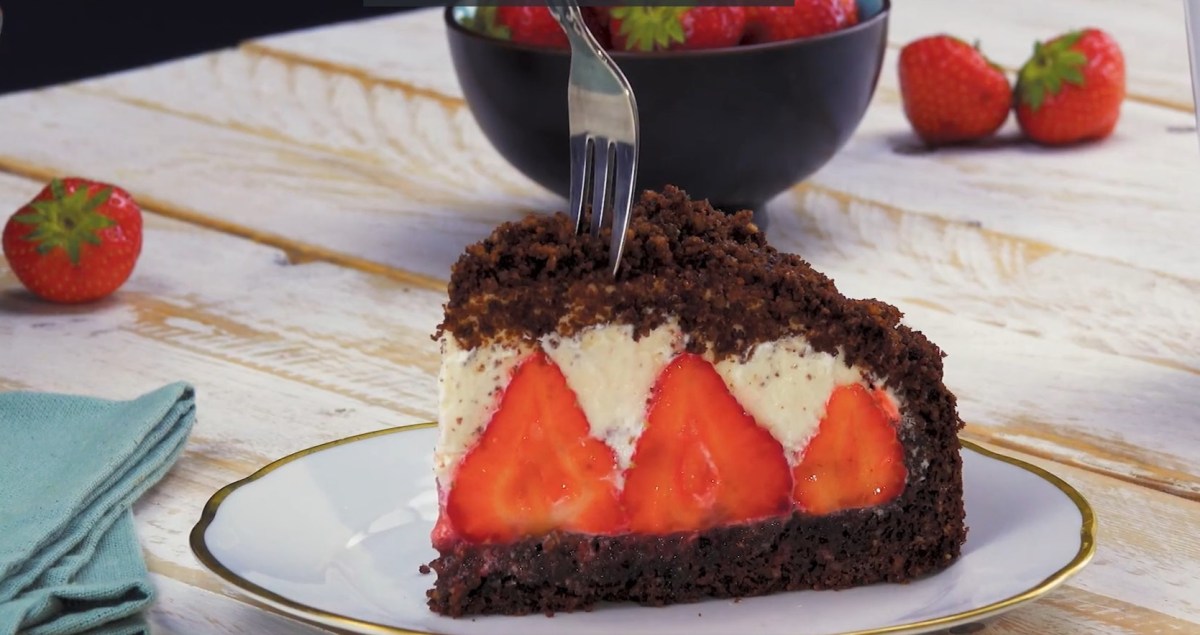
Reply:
x=604, y=133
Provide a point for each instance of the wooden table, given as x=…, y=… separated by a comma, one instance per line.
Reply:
x=307, y=193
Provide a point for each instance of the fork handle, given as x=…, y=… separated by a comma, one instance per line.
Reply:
x=1191, y=12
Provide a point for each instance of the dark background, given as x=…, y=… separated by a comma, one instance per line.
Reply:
x=46, y=42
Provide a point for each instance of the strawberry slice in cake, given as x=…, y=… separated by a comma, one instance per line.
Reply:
x=716, y=421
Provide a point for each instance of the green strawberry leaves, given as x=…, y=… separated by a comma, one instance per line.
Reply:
x=650, y=28
x=1053, y=64
x=67, y=220
x=485, y=22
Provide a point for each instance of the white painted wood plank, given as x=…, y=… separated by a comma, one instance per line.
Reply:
x=1070, y=610
x=1126, y=567
x=423, y=138
x=1006, y=381
x=386, y=210
x=405, y=37
x=186, y=610
x=1130, y=198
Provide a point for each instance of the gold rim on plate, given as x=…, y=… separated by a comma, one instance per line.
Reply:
x=1087, y=548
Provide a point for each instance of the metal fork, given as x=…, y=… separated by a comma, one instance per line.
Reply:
x=604, y=133
x=1191, y=13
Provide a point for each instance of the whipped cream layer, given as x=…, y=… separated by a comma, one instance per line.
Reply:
x=783, y=384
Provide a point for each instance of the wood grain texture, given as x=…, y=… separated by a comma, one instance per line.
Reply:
x=186, y=610
x=1159, y=577
x=263, y=185
x=1117, y=200
x=403, y=60
x=1154, y=591
x=1073, y=611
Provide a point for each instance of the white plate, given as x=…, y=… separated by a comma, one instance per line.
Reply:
x=335, y=535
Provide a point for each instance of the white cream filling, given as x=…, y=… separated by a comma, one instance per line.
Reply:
x=784, y=385
x=612, y=376
x=470, y=384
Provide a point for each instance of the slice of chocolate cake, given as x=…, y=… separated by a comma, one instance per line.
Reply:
x=716, y=421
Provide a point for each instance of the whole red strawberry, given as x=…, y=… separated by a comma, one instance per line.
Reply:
x=851, y=9
x=1072, y=88
x=675, y=28
x=76, y=241
x=805, y=18
x=530, y=25
x=951, y=92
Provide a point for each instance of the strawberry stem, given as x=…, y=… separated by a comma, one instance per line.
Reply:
x=67, y=220
x=485, y=22
x=650, y=28
x=1052, y=65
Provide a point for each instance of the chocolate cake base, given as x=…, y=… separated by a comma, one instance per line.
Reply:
x=568, y=572
x=918, y=534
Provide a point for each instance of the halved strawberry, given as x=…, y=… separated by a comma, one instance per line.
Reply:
x=890, y=410
x=702, y=461
x=535, y=469
x=855, y=460
x=443, y=533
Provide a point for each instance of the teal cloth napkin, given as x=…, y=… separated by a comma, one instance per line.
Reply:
x=70, y=469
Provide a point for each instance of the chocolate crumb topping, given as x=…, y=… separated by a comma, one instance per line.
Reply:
x=711, y=271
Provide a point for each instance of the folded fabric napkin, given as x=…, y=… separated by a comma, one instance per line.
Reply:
x=70, y=469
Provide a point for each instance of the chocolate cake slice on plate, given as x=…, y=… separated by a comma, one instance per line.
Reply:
x=716, y=421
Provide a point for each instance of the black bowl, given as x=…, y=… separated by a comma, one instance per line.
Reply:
x=736, y=125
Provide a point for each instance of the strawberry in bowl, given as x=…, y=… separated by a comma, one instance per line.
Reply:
x=736, y=104
x=647, y=29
